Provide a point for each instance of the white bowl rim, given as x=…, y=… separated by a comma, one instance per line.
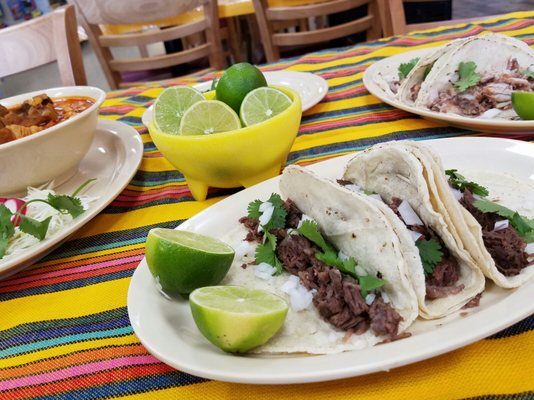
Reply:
x=88, y=91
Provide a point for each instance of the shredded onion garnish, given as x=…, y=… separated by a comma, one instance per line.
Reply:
x=408, y=214
x=500, y=225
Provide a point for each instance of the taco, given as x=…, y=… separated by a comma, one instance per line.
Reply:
x=444, y=276
x=337, y=259
x=499, y=239
x=477, y=78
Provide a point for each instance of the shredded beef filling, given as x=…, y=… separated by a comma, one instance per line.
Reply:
x=474, y=302
x=337, y=296
x=506, y=246
x=442, y=281
x=493, y=91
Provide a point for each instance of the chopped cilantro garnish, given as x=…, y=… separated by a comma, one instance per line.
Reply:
x=278, y=220
x=329, y=256
x=7, y=229
x=66, y=204
x=430, y=253
x=459, y=182
x=266, y=253
x=34, y=227
x=467, y=76
x=524, y=226
x=528, y=73
x=405, y=68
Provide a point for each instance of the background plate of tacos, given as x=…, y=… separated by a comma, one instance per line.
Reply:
x=166, y=328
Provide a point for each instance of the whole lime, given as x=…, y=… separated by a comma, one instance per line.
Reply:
x=182, y=261
x=236, y=82
x=235, y=318
x=523, y=103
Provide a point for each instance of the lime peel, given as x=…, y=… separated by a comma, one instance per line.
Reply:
x=171, y=105
x=523, y=103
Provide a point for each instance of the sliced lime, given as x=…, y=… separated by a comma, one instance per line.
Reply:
x=171, y=105
x=207, y=117
x=263, y=103
x=237, y=319
x=182, y=261
x=523, y=103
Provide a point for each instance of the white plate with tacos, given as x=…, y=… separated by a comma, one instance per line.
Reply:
x=313, y=346
x=467, y=83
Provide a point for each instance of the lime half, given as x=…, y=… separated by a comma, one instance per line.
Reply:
x=235, y=318
x=182, y=261
x=523, y=103
x=263, y=103
x=171, y=105
x=207, y=117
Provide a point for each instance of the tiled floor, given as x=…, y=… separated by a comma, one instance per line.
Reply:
x=47, y=76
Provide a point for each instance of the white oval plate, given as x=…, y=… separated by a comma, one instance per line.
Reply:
x=311, y=88
x=167, y=330
x=390, y=64
x=113, y=159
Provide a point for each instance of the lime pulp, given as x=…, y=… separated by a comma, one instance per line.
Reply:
x=208, y=117
x=171, y=105
x=262, y=104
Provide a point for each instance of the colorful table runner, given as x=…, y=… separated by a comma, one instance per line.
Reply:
x=64, y=328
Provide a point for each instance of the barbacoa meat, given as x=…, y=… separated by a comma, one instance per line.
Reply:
x=506, y=246
x=337, y=296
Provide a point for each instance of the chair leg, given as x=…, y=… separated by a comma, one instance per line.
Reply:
x=234, y=39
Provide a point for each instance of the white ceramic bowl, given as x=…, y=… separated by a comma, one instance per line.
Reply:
x=52, y=154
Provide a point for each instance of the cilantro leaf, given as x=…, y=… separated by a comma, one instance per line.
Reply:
x=64, y=203
x=310, y=230
x=7, y=230
x=266, y=253
x=34, y=227
x=524, y=226
x=528, y=73
x=406, y=68
x=254, y=209
x=430, y=253
x=368, y=283
x=459, y=182
x=278, y=220
x=487, y=206
x=467, y=76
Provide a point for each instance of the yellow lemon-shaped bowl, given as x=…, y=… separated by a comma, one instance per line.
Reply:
x=242, y=157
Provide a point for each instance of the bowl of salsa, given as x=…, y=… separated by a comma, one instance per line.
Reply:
x=45, y=134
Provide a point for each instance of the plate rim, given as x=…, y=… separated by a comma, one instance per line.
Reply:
x=483, y=326
x=323, y=83
x=131, y=139
x=493, y=125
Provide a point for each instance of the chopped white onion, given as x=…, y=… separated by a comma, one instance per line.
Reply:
x=376, y=197
x=490, y=114
x=264, y=271
x=408, y=214
x=304, y=218
x=267, y=213
x=370, y=298
x=500, y=225
x=530, y=248
x=385, y=297
x=457, y=194
x=415, y=235
x=243, y=249
x=354, y=187
x=360, y=271
x=300, y=298
x=290, y=284
x=342, y=256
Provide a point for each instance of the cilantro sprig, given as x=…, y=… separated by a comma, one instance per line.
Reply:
x=329, y=256
x=468, y=77
x=63, y=203
x=430, y=253
x=266, y=252
x=528, y=73
x=458, y=181
x=524, y=226
x=406, y=68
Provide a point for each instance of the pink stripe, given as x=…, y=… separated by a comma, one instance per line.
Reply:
x=337, y=95
x=71, y=271
x=77, y=370
x=351, y=121
x=152, y=196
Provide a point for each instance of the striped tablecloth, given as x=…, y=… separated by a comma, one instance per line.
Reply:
x=64, y=328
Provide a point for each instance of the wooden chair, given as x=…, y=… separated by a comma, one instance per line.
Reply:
x=42, y=40
x=394, y=19
x=269, y=17
x=93, y=13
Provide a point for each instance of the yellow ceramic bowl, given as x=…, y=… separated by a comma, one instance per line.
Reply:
x=242, y=157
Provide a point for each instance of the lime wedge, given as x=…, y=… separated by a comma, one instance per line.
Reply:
x=182, y=261
x=523, y=103
x=261, y=104
x=235, y=318
x=207, y=117
x=171, y=105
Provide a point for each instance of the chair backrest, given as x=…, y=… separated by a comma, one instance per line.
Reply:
x=394, y=20
x=93, y=13
x=268, y=17
x=42, y=40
